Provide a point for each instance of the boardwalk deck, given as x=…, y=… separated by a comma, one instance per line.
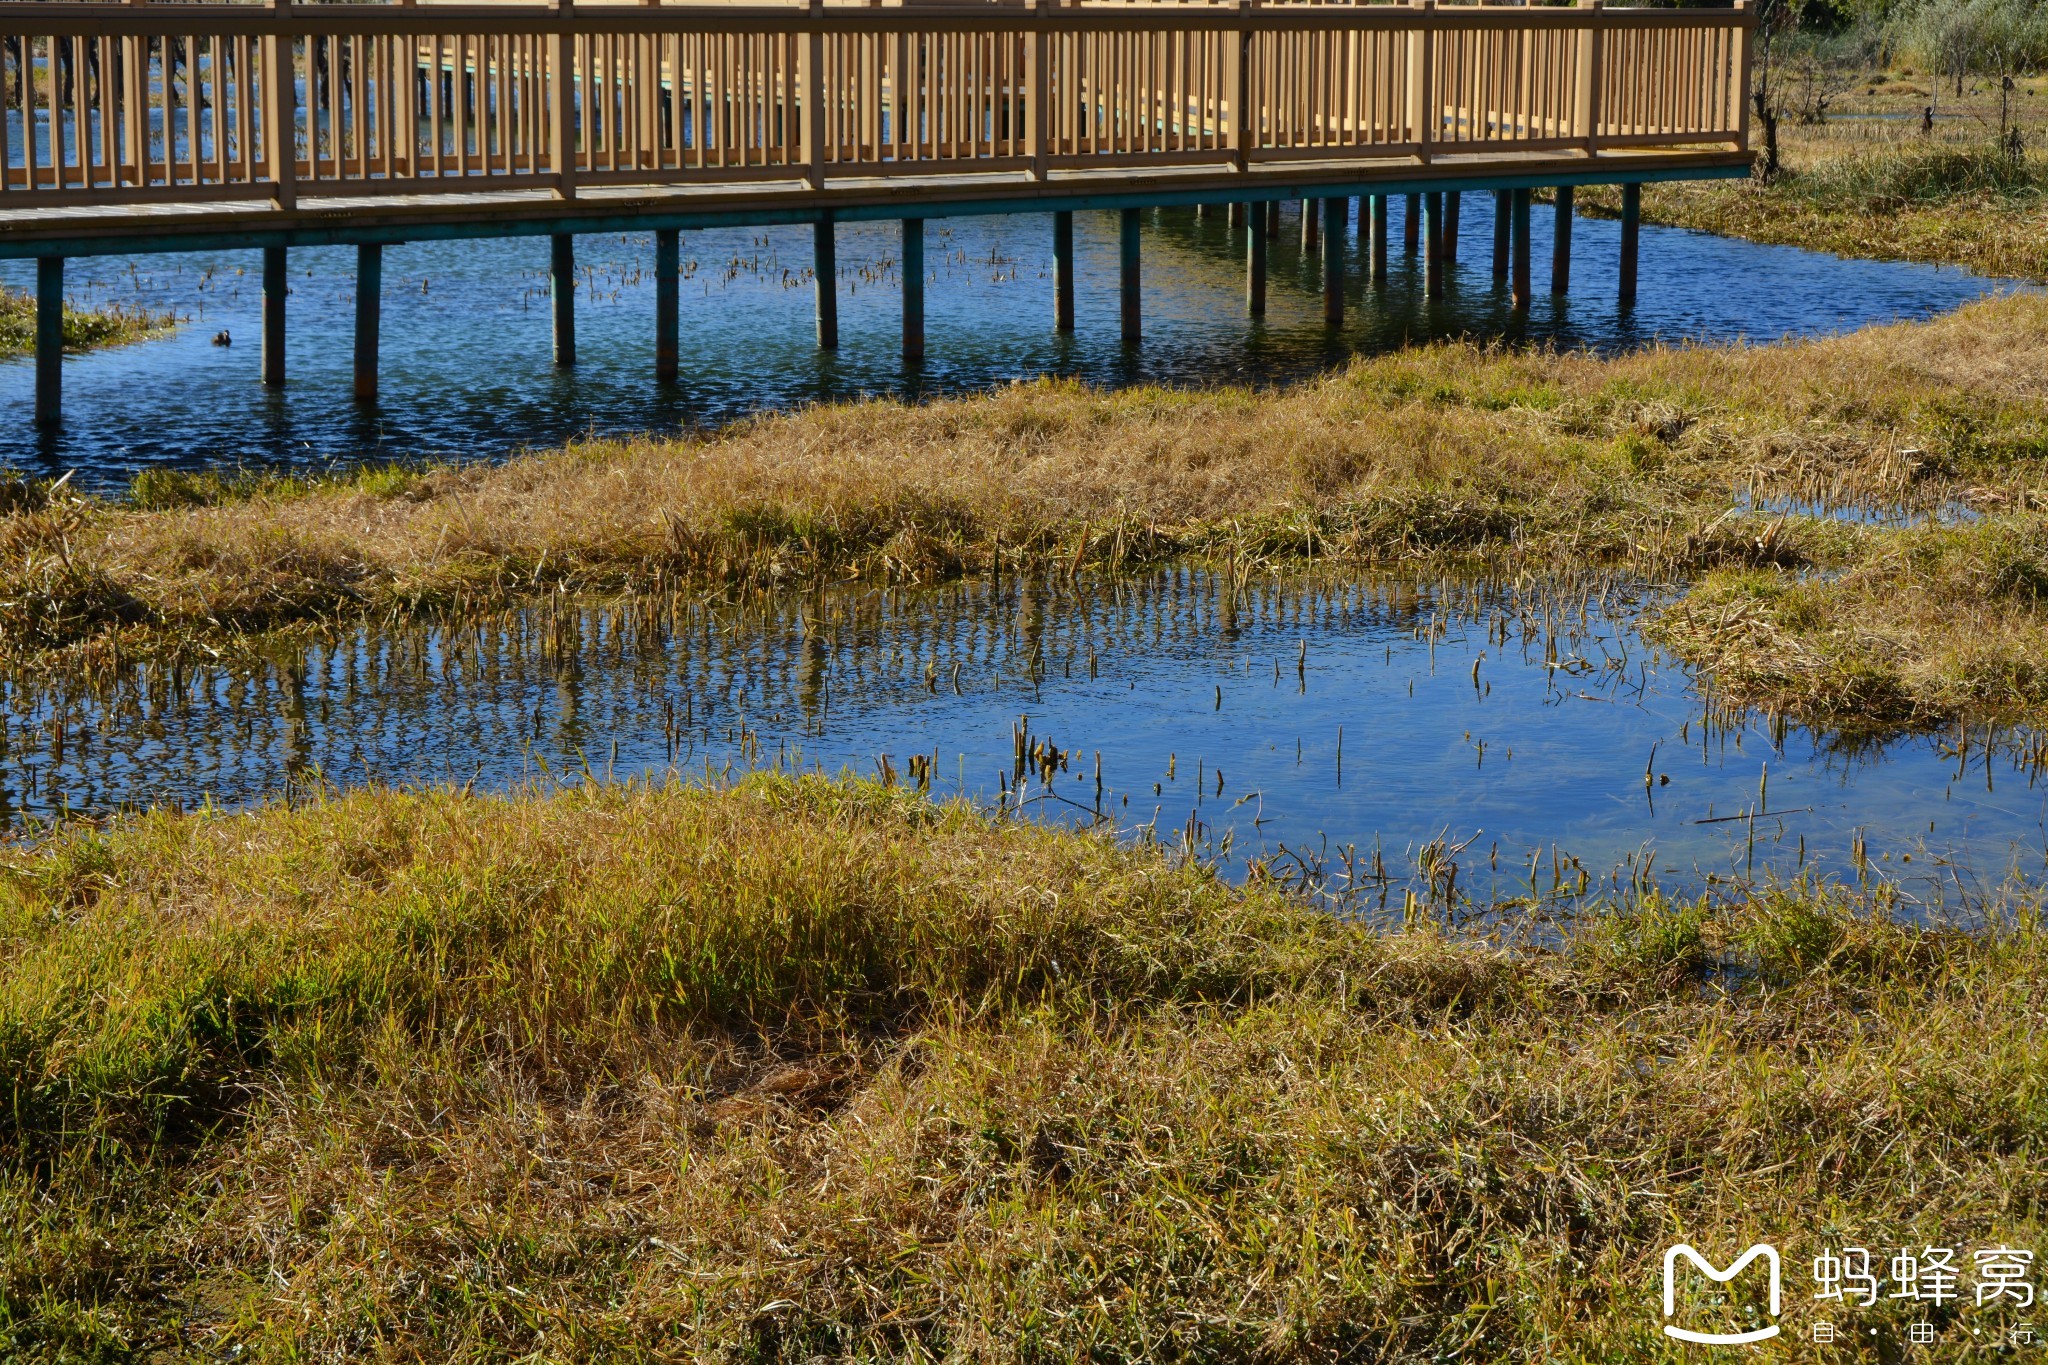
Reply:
x=128, y=127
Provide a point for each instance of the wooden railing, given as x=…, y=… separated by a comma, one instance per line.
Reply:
x=144, y=103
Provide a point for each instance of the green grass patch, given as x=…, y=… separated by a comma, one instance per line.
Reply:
x=802, y=1069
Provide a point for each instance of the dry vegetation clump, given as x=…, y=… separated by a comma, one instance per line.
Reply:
x=1516, y=460
x=799, y=1070
x=84, y=330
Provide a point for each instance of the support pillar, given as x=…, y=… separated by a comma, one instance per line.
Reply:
x=668, y=312
x=49, y=339
x=825, y=282
x=1451, y=207
x=1333, y=261
x=274, y=291
x=1378, y=245
x=1127, y=241
x=1273, y=219
x=1503, y=211
x=1519, y=250
x=370, y=317
x=913, y=291
x=1311, y=211
x=1411, y=223
x=1631, y=230
x=1561, y=244
x=562, y=290
x=1433, y=244
x=1063, y=271
x=1239, y=212
x=1255, y=274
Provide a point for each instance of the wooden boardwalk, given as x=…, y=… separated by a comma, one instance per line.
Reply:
x=130, y=127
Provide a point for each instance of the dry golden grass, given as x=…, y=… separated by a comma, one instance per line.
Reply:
x=800, y=1071
x=1522, y=460
x=1881, y=189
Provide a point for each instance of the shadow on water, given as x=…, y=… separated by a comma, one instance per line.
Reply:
x=467, y=372
x=1369, y=736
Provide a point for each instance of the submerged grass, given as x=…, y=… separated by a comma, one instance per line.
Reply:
x=1518, y=460
x=84, y=330
x=799, y=1070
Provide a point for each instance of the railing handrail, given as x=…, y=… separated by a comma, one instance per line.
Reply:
x=176, y=18
x=167, y=101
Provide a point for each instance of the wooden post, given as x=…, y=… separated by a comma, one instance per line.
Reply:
x=1424, y=111
x=1333, y=261
x=1239, y=212
x=561, y=102
x=1378, y=266
x=280, y=113
x=1411, y=223
x=49, y=339
x=1631, y=225
x=1451, y=207
x=369, y=317
x=1273, y=219
x=274, y=291
x=1311, y=211
x=1128, y=244
x=811, y=78
x=913, y=290
x=825, y=278
x=1063, y=270
x=1519, y=249
x=1433, y=244
x=1561, y=244
x=562, y=291
x=1586, y=113
x=1255, y=274
x=1038, y=96
x=1502, y=217
x=668, y=312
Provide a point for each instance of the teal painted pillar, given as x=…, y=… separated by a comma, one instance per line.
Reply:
x=1433, y=244
x=1333, y=261
x=1063, y=271
x=1378, y=245
x=1519, y=250
x=1503, y=213
x=668, y=309
x=1631, y=230
x=369, y=318
x=275, y=289
x=913, y=290
x=1561, y=244
x=825, y=277
x=1127, y=241
x=1255, y=274
x=562, y=294
x=49, y=339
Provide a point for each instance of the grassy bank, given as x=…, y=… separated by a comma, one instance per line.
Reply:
x=799, y=1069
x=1518, y=460
x=85, y=330
x=1866, y=182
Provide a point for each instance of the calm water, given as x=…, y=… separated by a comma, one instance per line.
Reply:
x=467, y=372
x=1359, y=730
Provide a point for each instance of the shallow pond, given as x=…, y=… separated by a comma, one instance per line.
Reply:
x=1367, y=734
x=467, y=373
